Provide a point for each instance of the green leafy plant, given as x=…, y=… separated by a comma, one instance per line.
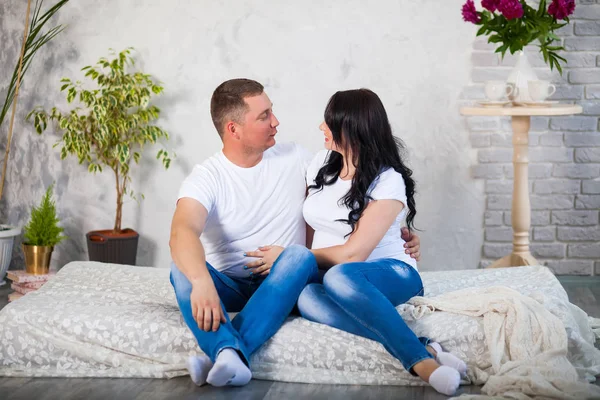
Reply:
x=513, y=24
x=34, y=39
x=42, y=228
x=114, y=124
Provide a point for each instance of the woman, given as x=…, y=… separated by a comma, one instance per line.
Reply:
x=359, y=192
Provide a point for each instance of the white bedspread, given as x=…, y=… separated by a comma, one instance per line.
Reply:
x=107, y=320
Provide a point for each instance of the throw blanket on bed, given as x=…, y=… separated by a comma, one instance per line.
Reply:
x=528, y=345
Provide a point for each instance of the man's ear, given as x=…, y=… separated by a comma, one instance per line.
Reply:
x=232, y=130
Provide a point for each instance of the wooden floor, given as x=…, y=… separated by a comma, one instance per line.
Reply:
x=583, y=291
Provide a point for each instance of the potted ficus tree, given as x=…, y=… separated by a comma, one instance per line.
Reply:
x=42, y=233
x=109, y=130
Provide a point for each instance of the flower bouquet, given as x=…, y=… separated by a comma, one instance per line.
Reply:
x=513, y=24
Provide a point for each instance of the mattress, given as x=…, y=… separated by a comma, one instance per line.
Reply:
x=108, y=320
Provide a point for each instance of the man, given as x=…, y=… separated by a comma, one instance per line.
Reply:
x=248, y=195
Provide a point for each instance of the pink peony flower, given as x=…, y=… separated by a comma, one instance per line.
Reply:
x=511, y=9
x=490, y=5
x=469, y=12
x=560, y=9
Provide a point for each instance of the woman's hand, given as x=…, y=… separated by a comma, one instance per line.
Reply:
x=413, y=244
x=267, y=255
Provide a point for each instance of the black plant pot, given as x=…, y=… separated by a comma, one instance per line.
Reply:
x=110, y=247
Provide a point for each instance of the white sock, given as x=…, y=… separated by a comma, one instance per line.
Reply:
x=445, y=380
x=198, y=368
x=229, y=369
x=448, y=359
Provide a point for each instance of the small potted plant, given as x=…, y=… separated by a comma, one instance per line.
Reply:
x=109, y=131
x=41, y=234
x=34, y=38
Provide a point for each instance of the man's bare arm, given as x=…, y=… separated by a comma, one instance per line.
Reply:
x=186, y=249
x=188, y=254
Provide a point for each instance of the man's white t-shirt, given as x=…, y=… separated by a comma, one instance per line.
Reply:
x=323, y=207
x=250, y=207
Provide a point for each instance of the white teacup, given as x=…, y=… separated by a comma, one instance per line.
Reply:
x=540, y=90
x=497, y=90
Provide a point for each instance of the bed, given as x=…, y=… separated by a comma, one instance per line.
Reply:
x=108, y=320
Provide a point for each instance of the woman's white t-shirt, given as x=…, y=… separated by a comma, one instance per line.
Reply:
x=323, y=207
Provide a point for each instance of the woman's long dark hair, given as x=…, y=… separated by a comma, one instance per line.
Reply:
x=360, y=126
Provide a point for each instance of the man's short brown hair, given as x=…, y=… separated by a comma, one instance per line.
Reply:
x=227, y=102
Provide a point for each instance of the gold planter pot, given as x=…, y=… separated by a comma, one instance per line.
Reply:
x=37, y=259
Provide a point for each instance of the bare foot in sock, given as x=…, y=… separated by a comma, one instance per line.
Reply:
x=442, y=378
x=229, y=369
x=448, y=359
x=445, y=380
x=198, y=367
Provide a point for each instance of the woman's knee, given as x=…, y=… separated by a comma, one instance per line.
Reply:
x=340, y=281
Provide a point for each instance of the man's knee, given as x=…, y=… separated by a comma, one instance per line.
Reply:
x=297, y=250
x=179, y=281
x=179, y=278
x=297, y=258
x=308, y=301
x=176, y=274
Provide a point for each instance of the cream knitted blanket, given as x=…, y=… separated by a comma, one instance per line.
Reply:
x=527, y=343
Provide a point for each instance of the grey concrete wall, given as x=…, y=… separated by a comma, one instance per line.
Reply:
x=417, y=55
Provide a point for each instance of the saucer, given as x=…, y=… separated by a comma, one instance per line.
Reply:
x=546, y=103
x=493, y=103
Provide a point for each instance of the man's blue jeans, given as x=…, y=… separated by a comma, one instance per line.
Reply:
x=361, y=297
x=263, y=303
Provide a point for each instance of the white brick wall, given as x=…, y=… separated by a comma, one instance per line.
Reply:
x=564, y=170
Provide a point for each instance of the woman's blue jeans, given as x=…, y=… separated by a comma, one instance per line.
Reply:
x=263, y=303
x=361, y=297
